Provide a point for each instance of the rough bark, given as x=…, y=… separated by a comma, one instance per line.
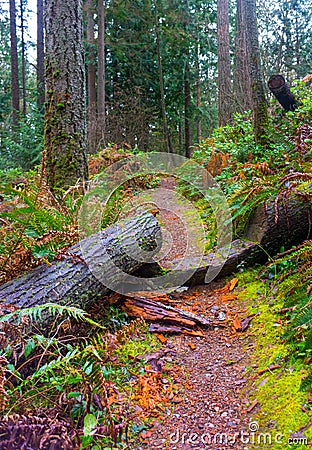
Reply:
x=14, y=65
x=187, y=84
x=101, y=67
x=269, y=229
x=187, y=111
x=40, y=56
x=260, y=113
x=167, y=139
x=282, y=92
x=70, y=282
x=65, y=157
x=23, y=45
x=241, y=76
x=91, y=76
x=224, y=64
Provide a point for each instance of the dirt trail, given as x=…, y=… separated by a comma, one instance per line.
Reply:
x=209, y=371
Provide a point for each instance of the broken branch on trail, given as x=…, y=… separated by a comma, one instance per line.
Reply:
x=173, y=319
x=282, y=92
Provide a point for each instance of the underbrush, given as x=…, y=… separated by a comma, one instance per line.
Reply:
x=250, y=175
x=90, y=378
x=280, y=296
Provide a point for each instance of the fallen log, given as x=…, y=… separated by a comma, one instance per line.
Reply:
x=282, y=92
x=273, y=226
x=70, y=282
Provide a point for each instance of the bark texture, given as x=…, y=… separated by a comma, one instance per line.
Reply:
x=260, y=113
x=167, y=139
x=154, y=311
x=40, y=55
x=65, y=156
x=270, y=228
x=92, y=131
x=282, y=92
x=101, y=66
x=241, y=77
x=14, y=65
x=224, y=64
x=70, y=281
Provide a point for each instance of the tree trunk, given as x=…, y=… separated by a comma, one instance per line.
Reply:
x=14, y=66
x=260, y=112
x=40, y=56
x=65, y=156
x=167, y=139
x=70, y=281
x=187, y=111
x=281, y=91
x=198, y=95
x=23, y=58
x=91, y=78
x=224, y=64
x=270, y=228
x=187, y=83
x=101, y=68
x=241, y=78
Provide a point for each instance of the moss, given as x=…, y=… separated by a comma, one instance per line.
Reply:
x=278, y=392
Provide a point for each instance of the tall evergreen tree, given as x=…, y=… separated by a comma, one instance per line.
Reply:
x=40, y=55
x=224, y=64
x=14, y=65
x=65, y=159
x=260, y=111
x=241, y=76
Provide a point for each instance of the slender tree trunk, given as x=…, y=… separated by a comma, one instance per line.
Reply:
x=180, y=129
x=91, y=78
x=224, y=64
x=187, y=111
x=198, y=121
x=65, y=156
x=23, y=58
x=161, y=85
x=198, y=99
x=40, y=56
x=187, y=85
x=101, y=66
x=14, y=66
x=260, y=112
x=241, y=77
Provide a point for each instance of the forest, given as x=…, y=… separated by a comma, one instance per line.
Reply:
x=155, y=224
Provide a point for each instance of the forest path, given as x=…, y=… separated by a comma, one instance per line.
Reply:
x=208, y=371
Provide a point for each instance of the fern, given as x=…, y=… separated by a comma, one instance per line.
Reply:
x=34, y=313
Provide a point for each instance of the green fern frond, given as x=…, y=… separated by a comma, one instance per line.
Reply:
x=53, y=309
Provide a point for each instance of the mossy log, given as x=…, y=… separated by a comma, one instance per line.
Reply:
x=70, y=282
x=273, y=227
